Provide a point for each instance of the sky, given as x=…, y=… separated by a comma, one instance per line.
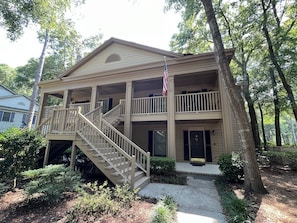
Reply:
x=140, y=21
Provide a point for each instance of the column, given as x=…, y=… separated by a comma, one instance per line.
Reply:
x=93, y=98
x=67, y=98
x=171, y=119
x=73, y=156
x=128, y=102
x=227, y=115
x=43, y=103
x=46, y=154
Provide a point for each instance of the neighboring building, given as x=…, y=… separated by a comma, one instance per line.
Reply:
x=14, y=109
x=194, y=120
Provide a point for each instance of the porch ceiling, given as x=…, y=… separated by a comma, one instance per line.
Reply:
x=207, y=78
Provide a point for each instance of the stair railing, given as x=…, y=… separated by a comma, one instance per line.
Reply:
x=142, y=157
x=93, y=136
x=113, y=114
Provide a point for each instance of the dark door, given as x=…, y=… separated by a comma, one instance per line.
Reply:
x=197, y=144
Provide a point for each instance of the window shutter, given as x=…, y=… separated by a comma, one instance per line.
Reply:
x=186, y=145
x=24, y=118
x=150, y=142
x=34, y=119
x=12, y=117
x=1, y=113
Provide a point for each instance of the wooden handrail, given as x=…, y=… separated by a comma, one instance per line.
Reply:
x=85, y=126
x=142, y=157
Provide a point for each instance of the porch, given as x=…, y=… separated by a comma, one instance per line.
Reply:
x=201, y=106
x=205, y=170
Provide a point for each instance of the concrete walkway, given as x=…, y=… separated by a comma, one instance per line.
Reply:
x=198, y=202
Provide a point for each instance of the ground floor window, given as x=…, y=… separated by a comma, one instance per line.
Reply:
x=158, y=142
x=6, y=116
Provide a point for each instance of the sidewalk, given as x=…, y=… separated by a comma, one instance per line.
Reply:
x=198, y=202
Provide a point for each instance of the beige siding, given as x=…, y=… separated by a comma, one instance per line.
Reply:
x=129, y=57
x=140, y=132
x=235, y=134
x=217, y=145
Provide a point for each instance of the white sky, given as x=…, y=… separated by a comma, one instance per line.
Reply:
x=140, y=21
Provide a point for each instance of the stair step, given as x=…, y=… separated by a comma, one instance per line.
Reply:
x=141, y=183
x=119, y=165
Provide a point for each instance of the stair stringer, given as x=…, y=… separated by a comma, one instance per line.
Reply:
x=98, y=161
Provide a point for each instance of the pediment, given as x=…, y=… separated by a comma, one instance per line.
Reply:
x=117, y=54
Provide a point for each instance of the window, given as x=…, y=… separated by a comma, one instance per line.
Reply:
x=159, y=142
x=113, y=58
x=7, y=116
x=24, y=119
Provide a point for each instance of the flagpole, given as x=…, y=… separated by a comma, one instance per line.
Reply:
x=165, y=78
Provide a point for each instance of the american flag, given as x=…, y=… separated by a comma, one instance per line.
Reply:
x=165, y=79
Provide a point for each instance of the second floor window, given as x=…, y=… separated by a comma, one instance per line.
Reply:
x=6, y=116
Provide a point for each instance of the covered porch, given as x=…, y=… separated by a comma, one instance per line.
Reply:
x=205, y=170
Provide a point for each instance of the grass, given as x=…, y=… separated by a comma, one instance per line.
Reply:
x=236, y=210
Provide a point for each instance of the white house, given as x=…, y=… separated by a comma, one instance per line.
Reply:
x=13, y=109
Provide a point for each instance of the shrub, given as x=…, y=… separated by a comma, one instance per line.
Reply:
x=96, y=200
x=162, y=166
x=283, y=158
x=236, y=210
x=19, y=152
x=48, y=184
x=291, y=157
x=3, y=188
x=165, y=211
x=232, y=166
x=274, y=157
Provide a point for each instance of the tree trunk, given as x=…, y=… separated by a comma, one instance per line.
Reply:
x=262, y=126
x=273, y=58
x=252, y=177
x=278, y=137
x=252, y=112
x=38, y=75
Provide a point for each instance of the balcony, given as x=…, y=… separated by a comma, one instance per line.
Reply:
x=199, y=106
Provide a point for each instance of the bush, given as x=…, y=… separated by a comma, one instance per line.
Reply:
x=48, y=184
x=291, y=157
x=162, y=166
x=283, y=158
x=96, y=200
x=3, y=188
x=236, y=210
x=232, y=166
x=165, y=211
x=19, y=152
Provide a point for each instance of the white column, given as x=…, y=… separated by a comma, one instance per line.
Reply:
x=66, y=98
x=171, y=119
x=93, y=98
x=128, y=101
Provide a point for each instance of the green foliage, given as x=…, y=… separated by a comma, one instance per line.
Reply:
x=283, y=158
x=162, y=165
x=165, y=211
x=48, y=184
x=19, y=151
x=96, y=200
x=236, y=210
x=3, y=188
x=232, y=166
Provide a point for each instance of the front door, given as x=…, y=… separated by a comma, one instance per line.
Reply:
x=197, y=144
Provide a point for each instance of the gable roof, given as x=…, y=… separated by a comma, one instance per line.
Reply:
x=6, y=91
x=112, y=41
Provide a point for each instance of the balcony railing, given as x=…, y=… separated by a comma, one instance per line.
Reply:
x=148, y=105
x=198, y=102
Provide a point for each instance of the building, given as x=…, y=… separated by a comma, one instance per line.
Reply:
x=14, y=109
x=124, y=81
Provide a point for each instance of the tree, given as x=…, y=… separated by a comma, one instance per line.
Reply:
x=273, y=49
x=7, y=74
x=48, y=15
x=253, y=182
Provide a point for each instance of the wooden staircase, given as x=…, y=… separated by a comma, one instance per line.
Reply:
x=117, y=157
